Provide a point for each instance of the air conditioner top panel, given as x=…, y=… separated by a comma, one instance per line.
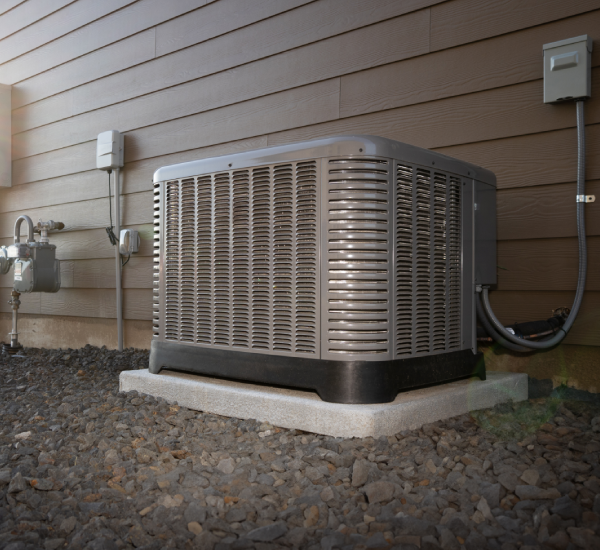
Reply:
x=346, y=146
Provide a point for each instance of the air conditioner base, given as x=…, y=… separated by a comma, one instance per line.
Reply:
x=304, y=410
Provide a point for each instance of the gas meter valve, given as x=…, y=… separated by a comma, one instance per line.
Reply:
x=36, y=268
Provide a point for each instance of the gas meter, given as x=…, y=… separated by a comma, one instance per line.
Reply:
x=36, y=268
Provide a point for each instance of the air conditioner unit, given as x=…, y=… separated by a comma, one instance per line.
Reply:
x=344, y=265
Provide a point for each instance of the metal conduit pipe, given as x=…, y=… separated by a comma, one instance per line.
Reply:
x=554, y=340
x=118, y=261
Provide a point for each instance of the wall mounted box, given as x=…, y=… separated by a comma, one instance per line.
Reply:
x=568, y=69
x=5, y=136
x=109, y=150
x=346, y=265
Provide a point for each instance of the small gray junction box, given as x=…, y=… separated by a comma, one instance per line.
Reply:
x=567, y=69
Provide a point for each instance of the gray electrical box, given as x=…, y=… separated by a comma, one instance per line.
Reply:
x=568, y=69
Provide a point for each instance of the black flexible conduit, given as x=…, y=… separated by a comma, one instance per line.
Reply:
x=488, y=315
x=491, y=332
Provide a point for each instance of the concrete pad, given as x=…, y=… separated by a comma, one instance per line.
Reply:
x=305, y=411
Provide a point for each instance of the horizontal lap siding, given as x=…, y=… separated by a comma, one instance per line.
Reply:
x=195, y=79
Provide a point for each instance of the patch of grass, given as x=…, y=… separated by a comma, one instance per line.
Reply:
x=517, y=421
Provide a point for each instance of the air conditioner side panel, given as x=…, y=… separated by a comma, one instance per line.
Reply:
x=357, y=206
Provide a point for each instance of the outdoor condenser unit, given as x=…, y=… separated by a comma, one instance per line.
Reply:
x=345, y=265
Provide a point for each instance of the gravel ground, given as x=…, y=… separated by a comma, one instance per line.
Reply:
x=84, y=466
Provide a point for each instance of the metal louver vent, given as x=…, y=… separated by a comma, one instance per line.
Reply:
x=241, y=259
x=156, y=262
x=428, y=260
x=357, y=242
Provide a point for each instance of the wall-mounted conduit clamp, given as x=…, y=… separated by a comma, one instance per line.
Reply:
x=585, y=198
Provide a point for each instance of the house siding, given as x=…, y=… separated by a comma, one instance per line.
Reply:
x=193, y=79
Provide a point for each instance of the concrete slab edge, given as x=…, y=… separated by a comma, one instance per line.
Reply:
x=305, y=411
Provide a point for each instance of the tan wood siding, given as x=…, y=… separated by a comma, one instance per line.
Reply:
x=196, y=78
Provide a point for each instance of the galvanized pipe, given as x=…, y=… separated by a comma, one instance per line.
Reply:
x=15, y=303
x=21, y=219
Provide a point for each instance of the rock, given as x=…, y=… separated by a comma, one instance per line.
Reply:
x=531, y=477
x=448, y=540
x=566, y=508
x=380, y=491
x=377, y=541
x=509, y=481
x=360, y=472
x=195, y=512
x=45, y=458
x=227, y=465
x=484, y=508
x=102, y=543
x=42, y=484
x=4, y=477
x=138, y=537
x=336, y=540
x=560, y=540
x=596, y=506
x=22, y=436
x=311, y=516
x=491, y=495
x=68, y=525
x=236, y=515
x=327, y=494
x=508, y=523
x=268, y=533
x=584, y=538
x=266, y=479
x=194, y=527
x=17, y=484
x=111, y=457
x=408, y=525
x=145, y=456
x=475, y=541
x=531, y=492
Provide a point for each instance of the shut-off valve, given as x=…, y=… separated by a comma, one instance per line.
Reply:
x=36, y=268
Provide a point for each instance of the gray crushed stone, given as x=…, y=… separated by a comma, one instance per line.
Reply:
x=83, y=466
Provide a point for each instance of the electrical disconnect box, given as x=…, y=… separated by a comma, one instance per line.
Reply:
x=568, y=69
x=129, y=242
x=109, y=150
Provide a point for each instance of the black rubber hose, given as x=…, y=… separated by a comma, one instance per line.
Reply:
x=492, y=333
x=552, y=341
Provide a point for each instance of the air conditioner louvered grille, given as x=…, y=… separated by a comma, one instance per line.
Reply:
x=241, y=259
x=428, y=261
x=356, y=206
x=454, y=265
x=306, y=257
x=156, y=264
x=204, y=275
x=261, y=258
x=188, y=260
x=172, y=259
x=404, y=260
x=241, y=252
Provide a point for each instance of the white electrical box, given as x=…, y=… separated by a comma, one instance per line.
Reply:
x=129, y=242
x=5, y=136
x=568, y=69
x=109, y=150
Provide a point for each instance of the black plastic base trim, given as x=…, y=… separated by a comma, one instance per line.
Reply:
x=358, y=382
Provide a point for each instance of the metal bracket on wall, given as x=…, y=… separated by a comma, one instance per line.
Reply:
x=585, y=198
